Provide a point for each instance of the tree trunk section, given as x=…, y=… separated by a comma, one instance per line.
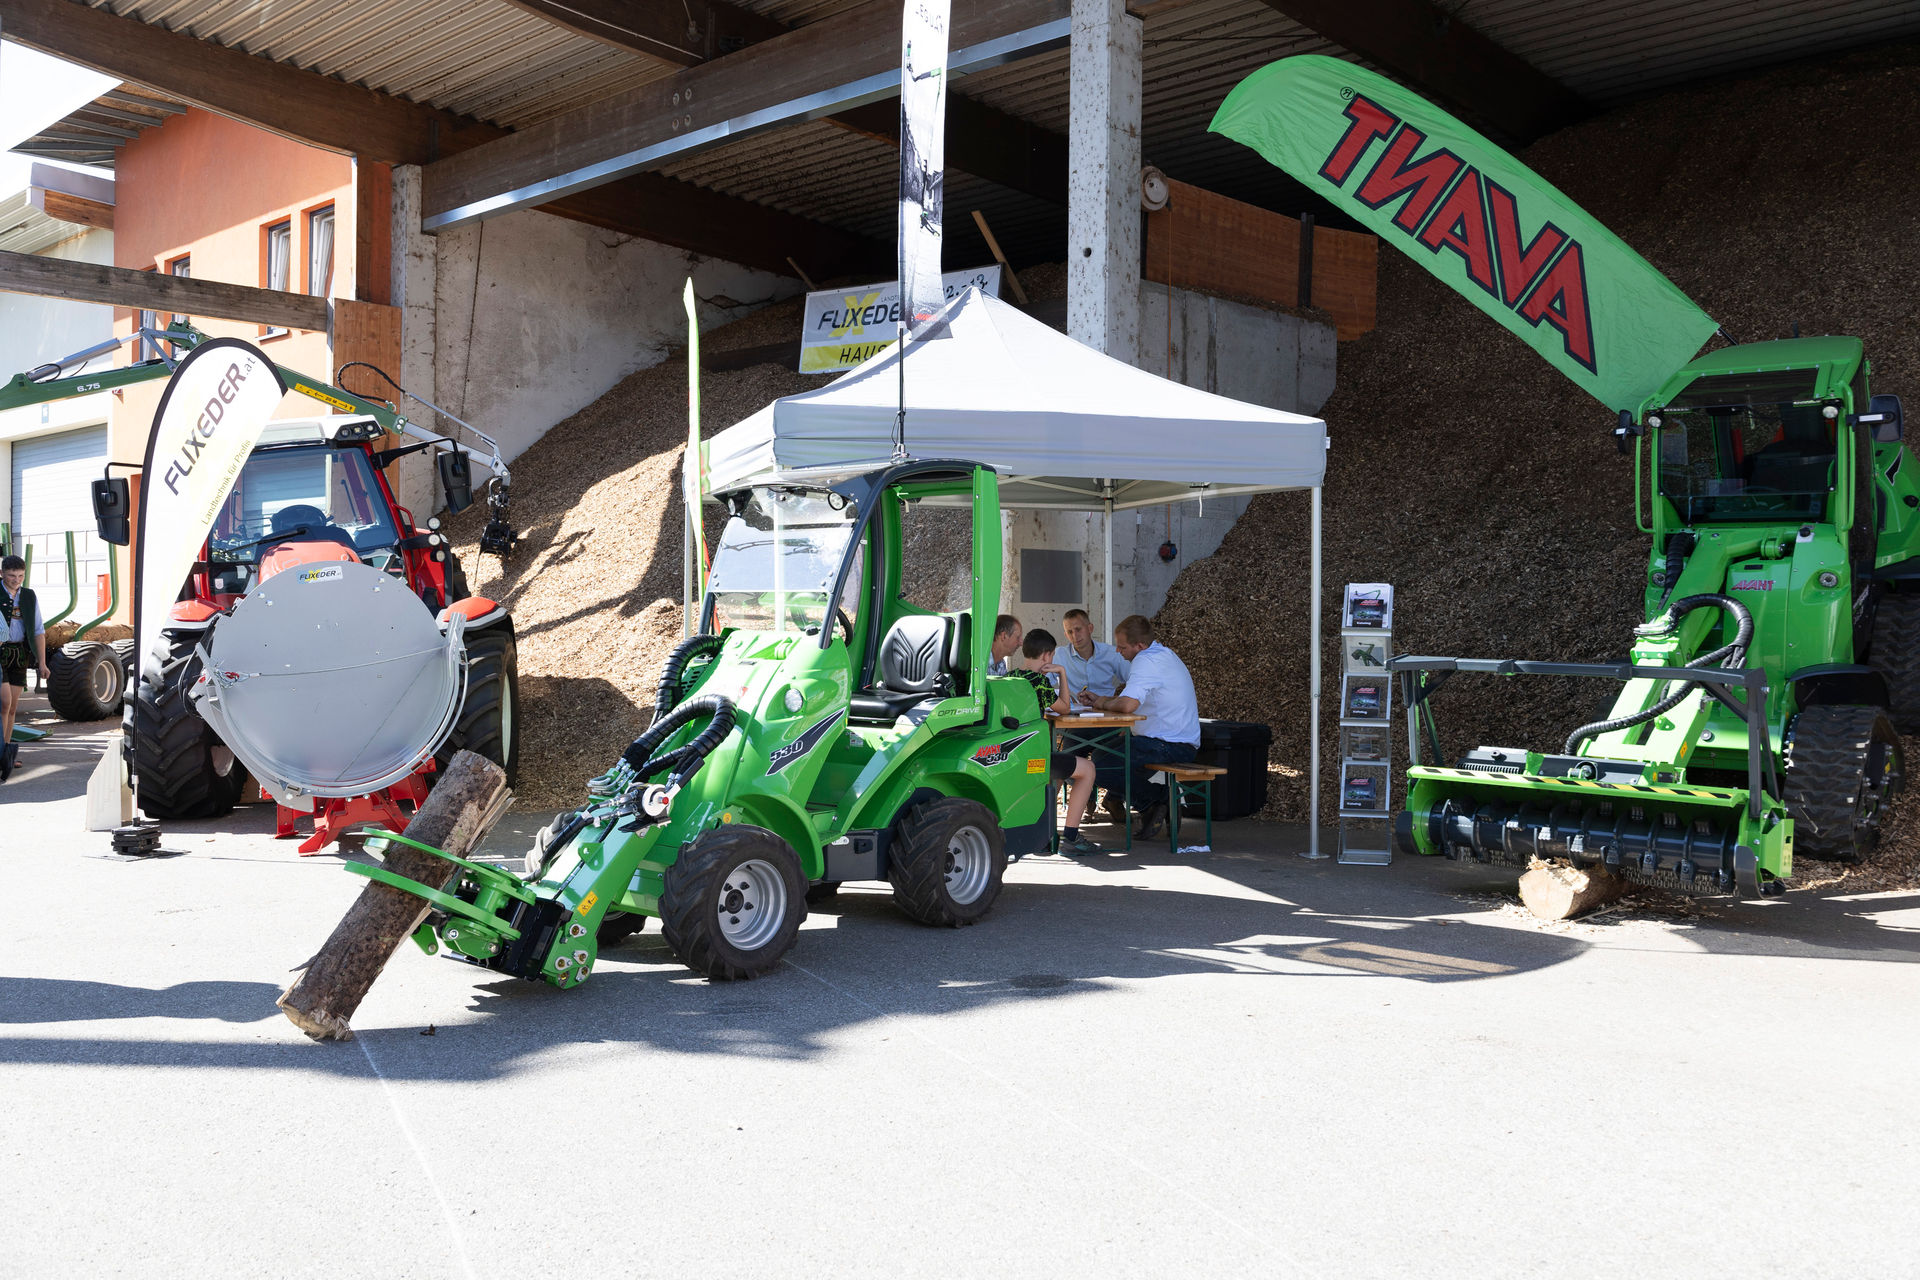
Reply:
x=1557, y=891
x=462, y=808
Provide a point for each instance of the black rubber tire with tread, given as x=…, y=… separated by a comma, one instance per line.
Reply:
x=126, y=649
x=617, y=926
x=493, y=702
x=690, y=897
x=177, y=756
x=1843, y=765
x=72, y=691
x=917, y=862
x=1896, y=655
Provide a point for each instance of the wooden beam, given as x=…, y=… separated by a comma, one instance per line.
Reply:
x=372, y=232
x=1420, y=43
x=158, y=291
x=814, y=71
x=382, y=128
x=686, y=33
x=62, y=207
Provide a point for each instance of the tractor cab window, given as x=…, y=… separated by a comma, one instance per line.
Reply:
x=777, y=561
x=316, y=493
x=1769, y=461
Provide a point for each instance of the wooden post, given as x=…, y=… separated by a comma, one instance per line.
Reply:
x=468, y=800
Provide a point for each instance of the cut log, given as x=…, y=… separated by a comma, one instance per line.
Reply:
x=1559, y=891
x=469, y=798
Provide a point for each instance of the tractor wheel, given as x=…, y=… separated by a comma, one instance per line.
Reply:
x=181, y=768
x=618, y=926
x=1896, y=655
x=125, y=650
x=947, y=860
x=489, y=719
x=1843, y=764
x=733, y=902
x=87, y=681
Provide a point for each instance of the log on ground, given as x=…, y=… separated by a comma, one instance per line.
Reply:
x=462, y=808
x=1559, y=891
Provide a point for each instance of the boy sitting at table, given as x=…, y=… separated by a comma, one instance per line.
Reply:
x=1048, y=679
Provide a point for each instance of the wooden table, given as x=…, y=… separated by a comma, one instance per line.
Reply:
x=1103, y=732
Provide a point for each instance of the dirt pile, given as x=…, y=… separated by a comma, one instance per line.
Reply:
x=1485, y=486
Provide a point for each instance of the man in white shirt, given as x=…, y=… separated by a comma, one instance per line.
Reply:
x=1091, y=667
x=1160, y=689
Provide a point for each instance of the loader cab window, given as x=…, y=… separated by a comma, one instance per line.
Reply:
x=1771, y=461
x=331, y=493
x=777, y=560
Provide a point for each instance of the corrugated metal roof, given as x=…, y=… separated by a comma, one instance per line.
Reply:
x=24, y=229
x=93, y=133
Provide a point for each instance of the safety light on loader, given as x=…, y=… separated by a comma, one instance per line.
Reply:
x=793, y=701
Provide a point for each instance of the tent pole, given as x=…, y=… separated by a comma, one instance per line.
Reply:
x=1313, y=698
x=1107, y=607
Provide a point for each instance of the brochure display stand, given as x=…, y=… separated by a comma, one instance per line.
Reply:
x=1366, y=709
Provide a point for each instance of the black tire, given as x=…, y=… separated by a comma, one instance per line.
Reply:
x=823, y=891
x=87, y=681
x=1896, y=655
x=180, y=767
x=934, y=865
x=732, y=866
x=617, y=926
x=489, y=722
x=126, y=649
x=1843, y=764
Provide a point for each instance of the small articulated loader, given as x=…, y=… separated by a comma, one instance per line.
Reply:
x=1780, y=655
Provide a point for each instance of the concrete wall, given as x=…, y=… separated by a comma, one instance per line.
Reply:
x=1248, y=353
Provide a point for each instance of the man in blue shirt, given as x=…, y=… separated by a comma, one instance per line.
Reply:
x=1159, y=689
x=1091, y=667
x=23, y=644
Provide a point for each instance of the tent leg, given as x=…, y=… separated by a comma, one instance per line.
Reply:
x=1313, y=699
x=1107, y=607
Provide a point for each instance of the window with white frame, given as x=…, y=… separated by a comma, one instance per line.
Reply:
x=280, y=256
x=320, y=252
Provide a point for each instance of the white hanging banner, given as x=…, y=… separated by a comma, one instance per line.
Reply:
x=210, y=417
x=923, y=157
x=843, y=327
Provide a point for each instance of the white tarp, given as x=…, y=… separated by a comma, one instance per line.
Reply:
x=1064, y=425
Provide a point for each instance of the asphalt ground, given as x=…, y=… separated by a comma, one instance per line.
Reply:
x=1230, y=1064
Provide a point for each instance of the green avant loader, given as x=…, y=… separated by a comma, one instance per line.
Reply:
x=1780, y=655
x=820, y=728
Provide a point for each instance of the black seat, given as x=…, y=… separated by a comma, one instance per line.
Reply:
x=912, y=669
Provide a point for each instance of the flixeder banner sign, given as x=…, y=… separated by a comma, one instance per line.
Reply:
x=1474, y=216
x=843, y=327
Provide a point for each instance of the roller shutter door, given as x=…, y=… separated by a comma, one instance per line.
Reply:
x=51, y=495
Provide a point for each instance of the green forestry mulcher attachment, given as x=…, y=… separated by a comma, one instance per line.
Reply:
x=821, y=728
x=1781, y=653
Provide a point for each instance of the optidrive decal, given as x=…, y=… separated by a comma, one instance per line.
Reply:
x=799, y=747
x=997, y=752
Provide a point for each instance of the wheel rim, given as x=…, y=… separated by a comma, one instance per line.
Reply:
x=751, y=904
x=105, y=679
x=221, y=757
x=506, y=721
x=969, y=864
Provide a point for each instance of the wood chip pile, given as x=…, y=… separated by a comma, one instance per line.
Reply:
x=1484, y=485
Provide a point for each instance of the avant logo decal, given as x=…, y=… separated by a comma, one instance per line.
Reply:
x=998, y=752
x=1545, y=280
x=1754, y=584
x=806, y=742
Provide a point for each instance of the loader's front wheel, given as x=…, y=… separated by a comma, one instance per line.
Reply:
x=947, y=860
x=732, y=903
x=618, y=926
x=489, y=719
x=1896, y=655
x=87, y=681
x=1843, y=765
x=180, y=766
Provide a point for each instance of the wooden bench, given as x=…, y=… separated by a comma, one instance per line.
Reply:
x=1188, y=782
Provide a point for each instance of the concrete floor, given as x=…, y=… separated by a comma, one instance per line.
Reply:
x=1235, y=1064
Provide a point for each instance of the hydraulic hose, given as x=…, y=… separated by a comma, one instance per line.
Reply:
x=1729, y=656
x=683, y=653
x=683, y=760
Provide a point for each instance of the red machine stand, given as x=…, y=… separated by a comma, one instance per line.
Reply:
x=334, y=816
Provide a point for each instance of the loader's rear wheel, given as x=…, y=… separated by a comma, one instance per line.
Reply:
x=180, y=767
x=947, y=860
x=489, y=719
x=618, y=926
x=732, y=902
x=125, y=650
x=1843, y=764
x=87, y=681
x=1896, y=655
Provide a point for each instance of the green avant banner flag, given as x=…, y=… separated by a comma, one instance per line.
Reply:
x=1474, y=216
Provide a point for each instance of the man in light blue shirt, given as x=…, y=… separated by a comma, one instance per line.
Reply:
x=1091, y=667
x=1159, y=689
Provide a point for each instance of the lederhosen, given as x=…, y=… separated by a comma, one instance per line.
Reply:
x=17, y=655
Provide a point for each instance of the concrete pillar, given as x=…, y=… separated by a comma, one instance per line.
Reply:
x=1103, y=180
x=415, y=269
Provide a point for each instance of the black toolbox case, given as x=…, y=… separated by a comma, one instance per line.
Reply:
x=1239, y=747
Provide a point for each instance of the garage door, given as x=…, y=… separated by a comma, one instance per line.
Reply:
x=51, y=495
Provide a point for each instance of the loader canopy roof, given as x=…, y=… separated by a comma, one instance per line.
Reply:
x=1064, y=425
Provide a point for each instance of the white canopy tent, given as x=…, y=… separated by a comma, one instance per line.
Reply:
x=1067, y=428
